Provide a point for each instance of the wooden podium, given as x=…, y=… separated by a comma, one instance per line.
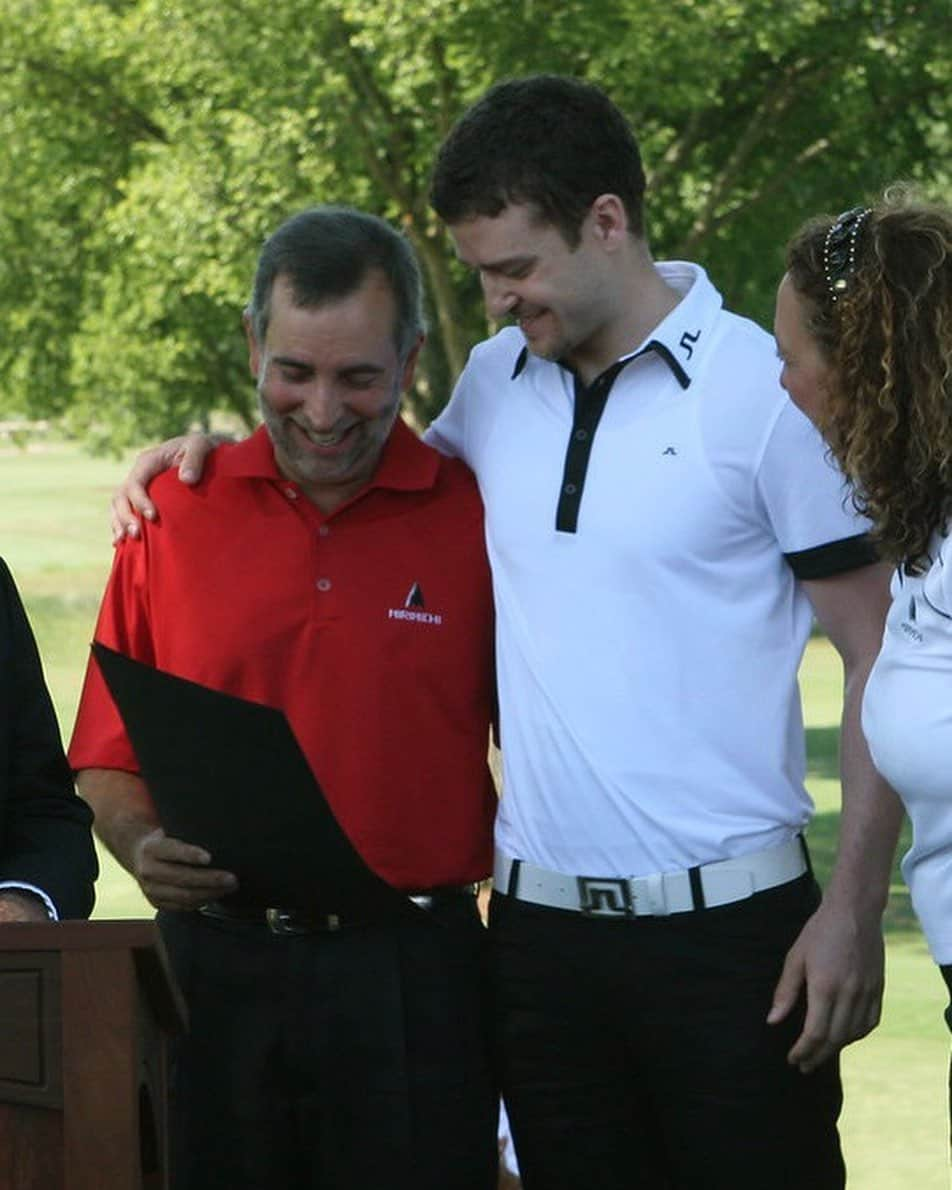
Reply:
x=84, y=1012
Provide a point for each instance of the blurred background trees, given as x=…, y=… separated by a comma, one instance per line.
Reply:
x=147, y=147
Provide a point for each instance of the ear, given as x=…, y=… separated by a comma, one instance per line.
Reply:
x=410, y=363
x=608, y=220
x=254, y=351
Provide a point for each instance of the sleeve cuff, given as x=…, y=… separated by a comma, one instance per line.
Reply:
x=835, y=557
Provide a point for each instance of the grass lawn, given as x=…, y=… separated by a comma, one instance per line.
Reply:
x=54, y=536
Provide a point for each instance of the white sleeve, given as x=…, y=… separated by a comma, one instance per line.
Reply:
x=938, y=582
x=464, y=427
x=448, y=432
x=808, y=502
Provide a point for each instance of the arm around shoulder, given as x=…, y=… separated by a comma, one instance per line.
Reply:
x=131, y=499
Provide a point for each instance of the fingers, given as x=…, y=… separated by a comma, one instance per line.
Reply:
x=787, y=991
x=158, y=847
x=815, y=1043
x=870, y=1013
x=826, y=1030
x=834, y=1020
x=836, y=965
x=191, y=456
x=837, y=1014
x=130, y=501
x=175, y=897
x=177, y=875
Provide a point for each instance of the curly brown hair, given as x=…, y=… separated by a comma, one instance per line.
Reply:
x=887, y=414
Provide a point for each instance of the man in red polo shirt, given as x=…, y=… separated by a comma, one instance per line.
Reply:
x=332, y=566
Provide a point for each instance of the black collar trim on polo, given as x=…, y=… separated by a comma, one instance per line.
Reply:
x=652, y=345
x=589, y=406
x=664, y=351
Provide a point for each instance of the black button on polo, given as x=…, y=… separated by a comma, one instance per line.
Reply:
x=589, y=404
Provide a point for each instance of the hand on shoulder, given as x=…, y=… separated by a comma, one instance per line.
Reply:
x=131, y=499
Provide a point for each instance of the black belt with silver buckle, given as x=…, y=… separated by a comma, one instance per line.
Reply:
x=286, y=921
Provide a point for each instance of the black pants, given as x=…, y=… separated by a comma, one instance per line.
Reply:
x=334, y=1061
x=635, y=1053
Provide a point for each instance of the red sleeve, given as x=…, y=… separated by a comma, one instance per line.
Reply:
x=99, y=738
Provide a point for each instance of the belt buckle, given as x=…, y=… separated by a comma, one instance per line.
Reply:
x=281, y=921
x=605, y=896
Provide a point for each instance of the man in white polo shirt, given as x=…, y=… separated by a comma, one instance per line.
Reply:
x=662, y=523
x=660, y=519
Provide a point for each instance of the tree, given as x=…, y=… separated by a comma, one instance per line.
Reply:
x=151, y=144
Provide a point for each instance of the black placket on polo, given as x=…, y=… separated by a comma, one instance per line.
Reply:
x=590, y=404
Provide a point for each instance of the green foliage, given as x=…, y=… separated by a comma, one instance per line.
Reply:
x=149, y=146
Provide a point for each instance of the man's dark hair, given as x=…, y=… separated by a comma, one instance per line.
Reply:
x=551, y=142
x=326, y=254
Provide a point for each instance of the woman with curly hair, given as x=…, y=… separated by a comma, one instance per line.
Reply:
x=864, y=329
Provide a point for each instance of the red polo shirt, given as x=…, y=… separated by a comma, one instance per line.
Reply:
x=371, y=628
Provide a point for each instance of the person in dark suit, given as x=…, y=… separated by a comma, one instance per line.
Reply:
x=47, y=859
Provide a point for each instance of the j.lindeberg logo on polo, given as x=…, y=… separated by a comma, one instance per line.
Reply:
x=687, y=342
x=414, y=608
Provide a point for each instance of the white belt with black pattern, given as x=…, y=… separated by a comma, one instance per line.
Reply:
x=661, y=893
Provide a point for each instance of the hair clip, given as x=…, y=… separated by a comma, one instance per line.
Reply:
x=839, y=250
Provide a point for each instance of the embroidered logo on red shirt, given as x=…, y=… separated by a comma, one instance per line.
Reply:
x=414, y=608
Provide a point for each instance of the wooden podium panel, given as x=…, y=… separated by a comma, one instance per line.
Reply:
x=85, y=1008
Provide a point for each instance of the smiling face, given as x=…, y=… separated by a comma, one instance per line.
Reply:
x=329, y=385
x=560, y=297
x=806, y=374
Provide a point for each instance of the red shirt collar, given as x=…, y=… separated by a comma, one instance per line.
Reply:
x=406, y=464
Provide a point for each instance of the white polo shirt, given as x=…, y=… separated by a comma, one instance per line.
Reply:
x=649, y=625
x=907, y=718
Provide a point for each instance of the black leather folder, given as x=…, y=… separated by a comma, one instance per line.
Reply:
x=229, y=775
